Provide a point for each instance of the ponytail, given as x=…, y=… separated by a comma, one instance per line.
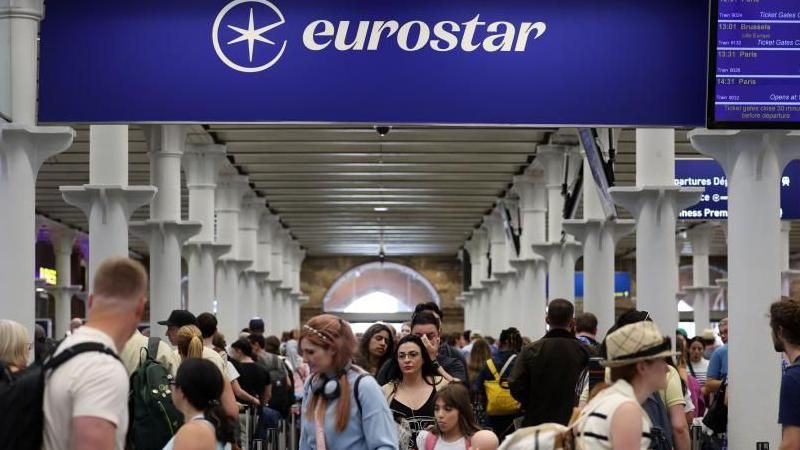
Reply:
x=224, y=426
x=195, y=349
x=190, y=342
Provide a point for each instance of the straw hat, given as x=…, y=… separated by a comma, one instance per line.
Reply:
x=708, y=335
x=640, y=341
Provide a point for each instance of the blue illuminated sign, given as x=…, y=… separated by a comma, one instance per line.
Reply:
x=622, y=284
x=620, y=62
x=708, y=174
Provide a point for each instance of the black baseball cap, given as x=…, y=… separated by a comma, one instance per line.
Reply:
x=256, y=324
x=179, y=318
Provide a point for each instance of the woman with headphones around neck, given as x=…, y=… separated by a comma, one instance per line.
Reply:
x=343, y=407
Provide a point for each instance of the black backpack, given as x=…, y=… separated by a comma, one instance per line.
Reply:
x=153, y=417
x=23, y=393
x=282, y=391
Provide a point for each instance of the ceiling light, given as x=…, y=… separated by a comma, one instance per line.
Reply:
x=381, y=209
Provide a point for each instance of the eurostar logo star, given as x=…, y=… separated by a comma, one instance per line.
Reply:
x=264, y=54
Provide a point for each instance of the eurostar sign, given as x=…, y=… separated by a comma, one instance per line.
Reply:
x=472, y=62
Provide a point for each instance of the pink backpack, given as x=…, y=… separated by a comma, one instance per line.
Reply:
x=431, y=439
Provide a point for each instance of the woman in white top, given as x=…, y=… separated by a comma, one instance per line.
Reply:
x=196, y=394
x=614, y=419
x=698, y=365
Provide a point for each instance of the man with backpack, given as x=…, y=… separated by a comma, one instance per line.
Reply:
x=86, y=398
x=132, y=354
x=282, y=395
x=151, y=366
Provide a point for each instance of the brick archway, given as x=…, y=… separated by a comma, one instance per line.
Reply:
x=403, y=283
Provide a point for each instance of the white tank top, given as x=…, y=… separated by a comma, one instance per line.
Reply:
x=594, y=423
x=220, y=446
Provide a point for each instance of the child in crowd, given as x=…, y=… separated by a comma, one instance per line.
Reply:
x=456, y=428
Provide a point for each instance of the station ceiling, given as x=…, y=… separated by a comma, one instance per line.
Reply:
x=326, y=181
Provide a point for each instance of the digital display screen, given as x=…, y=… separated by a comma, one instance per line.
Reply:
x=754, y=79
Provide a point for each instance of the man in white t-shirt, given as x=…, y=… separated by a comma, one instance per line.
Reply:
x=131, y=354
x=86, y=399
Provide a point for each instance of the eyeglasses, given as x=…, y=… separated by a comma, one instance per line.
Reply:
x=409, y=355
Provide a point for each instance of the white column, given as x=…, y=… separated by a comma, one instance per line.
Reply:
x=479, y=270
x=276, y=277
x=23, y=149
x=512, y=300
x=252, y=209
x=787, y=274
x=201, y=165
x=500, y=272
x=63, y=240
x=559, y=250
x=165, y=232
x=107, y=200
x=700, y=294
x=228, y=202
x=599, y=237
x=532, y=268
x=753, y=163
x=655, y=203
x=298, y=297
x=287, y=288
x=263, y=267
x=472, y=297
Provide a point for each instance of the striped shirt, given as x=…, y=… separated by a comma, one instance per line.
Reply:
x=699, y=371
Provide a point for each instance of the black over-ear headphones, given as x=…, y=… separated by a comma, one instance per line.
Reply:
x=327, y=386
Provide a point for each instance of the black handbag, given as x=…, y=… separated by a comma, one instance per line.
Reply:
x=717, y=416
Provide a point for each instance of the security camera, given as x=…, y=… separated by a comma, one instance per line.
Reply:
x=383, y=130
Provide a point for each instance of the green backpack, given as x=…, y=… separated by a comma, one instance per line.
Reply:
x=153, y=417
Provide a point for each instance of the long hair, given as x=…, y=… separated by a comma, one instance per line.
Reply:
x=332, y=333
x=190, y=342
x=480, y=353
x=202, y=384
x=456, y=395
x=429, y=372
x=363, y=357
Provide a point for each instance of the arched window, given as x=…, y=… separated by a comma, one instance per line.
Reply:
x=379, y=288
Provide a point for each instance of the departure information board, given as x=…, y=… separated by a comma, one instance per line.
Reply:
x=755, y=64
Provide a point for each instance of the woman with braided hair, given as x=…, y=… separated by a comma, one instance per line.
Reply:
x=509, y=347
x=196, y=394
x=343, y=407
